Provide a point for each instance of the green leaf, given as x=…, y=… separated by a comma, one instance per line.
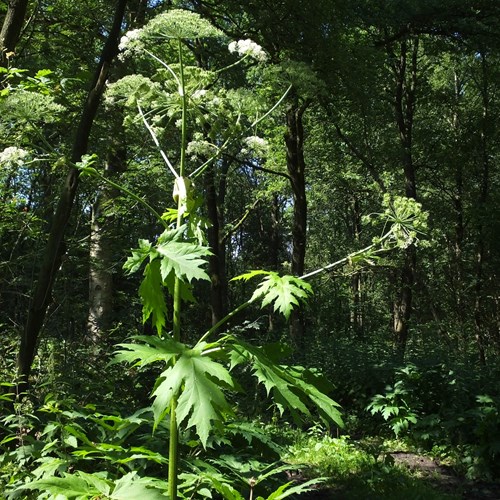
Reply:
x=225, y=489
x=285, y=291
x=290, y=388
x=198, y=379
x=129, y=487
x=70, y=485
x=139, y=255
x=150, y=350
x=285, y=491
x=183, y=259
x=151, y=293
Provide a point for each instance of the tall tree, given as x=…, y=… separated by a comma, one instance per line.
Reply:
x=55, y=247
x=11, y=28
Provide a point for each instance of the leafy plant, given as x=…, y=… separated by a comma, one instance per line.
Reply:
x=395, y=405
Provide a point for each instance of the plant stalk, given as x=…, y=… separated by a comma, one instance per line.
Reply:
x=173, y=451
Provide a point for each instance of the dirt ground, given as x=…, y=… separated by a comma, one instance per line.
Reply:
x=443, y=478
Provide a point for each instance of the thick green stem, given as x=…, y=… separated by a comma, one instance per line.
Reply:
x=173, y=453
x=182, y=91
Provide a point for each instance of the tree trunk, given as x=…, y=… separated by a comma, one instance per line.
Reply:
x=356, y=310
x=11, y=28
x=482, y=208
x=216, y=242
x=294, y=140
x=404, y=109
x=100, y=314
x=55, y=247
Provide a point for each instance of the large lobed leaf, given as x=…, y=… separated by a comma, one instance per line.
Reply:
x=286, y=292
x=197, y=380
x=150, y=350
x=182, y=258
x=171, y=259
x=291, y=388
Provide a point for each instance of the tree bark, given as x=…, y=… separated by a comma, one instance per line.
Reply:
x=482, y=208
x=405, y=73
x=294, y=140
x=101, y=288
x=216, y=241
x=11, y=28
x=55, y=247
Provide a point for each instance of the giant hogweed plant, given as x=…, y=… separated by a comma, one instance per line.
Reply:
x=192, y=389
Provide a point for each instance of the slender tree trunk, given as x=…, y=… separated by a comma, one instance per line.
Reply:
x=216, y=242
x=458, y=207
x=101, y=288
x=55, y=247
x=482, y=208
x=404, y=108
x=11, y=28
x=294, y=140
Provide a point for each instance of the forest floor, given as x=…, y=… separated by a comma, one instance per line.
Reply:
x=443, y=478
x=430, y=480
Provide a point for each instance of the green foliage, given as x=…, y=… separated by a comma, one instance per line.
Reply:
x=394, y=409
x=353, y=472
x=199, y=381
x=83, y=486
x=169, y=259
x=285, y=291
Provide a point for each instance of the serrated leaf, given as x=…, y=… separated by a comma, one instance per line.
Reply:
x=249, y=275
x=184, y=259
x=285, y=292
x=131, y=487
x=289, y=388
x=150, y=350
x=197, y=380
x=139, y=255
x=151, y=293
x=70, y=485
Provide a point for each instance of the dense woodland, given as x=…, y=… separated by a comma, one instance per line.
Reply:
x=248, y=248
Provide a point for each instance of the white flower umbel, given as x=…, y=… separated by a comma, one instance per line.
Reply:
x=200, y=148
x=248, y=48
x=13, y=156
x=130, y=43
x=255, y=146
x=128, y=38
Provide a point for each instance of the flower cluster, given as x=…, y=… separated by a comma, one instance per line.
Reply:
x=248, y=48
x=13, y=155
x=198, y=94
x=255, y=146
x=200, y=148
x=130, y=42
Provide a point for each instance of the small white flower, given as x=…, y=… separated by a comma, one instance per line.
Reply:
x=13, y=155
x=130, y=44
x=248, y=48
